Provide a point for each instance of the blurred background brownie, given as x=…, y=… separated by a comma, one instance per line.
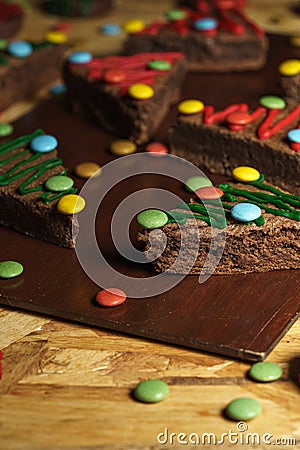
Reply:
x=11, y=17
x=78, y=7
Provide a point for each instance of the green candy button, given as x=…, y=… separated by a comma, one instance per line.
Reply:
x=243, y=409
x=152, y=218
x=159, y=64
x=6, y=129
x=3, y=44
x=272, y=102
x=175, y=14
x=265, y=372
x=10, y=269
x=151, y=391
x=194, y=183
x=59, y=183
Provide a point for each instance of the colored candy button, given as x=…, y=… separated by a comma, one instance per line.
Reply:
x=43, y=144
x=56, y=37
x=10, y=269
x=294, y=135
x=111, y=297
x=6, y=129
x=190, y=106
x=151, y=391
x=71, y=204
x=114, y=75
x=152, y=218
x=19, y=49
x=159, y=64
x=206, y=24
x=133, y=26
x=87, y=169
x=245, y=212
x=80, y=58
x=140, y=91
x=110, y=29
x=265, y=372
x=245, y=174
x=3, y=44
x=194, y=183
x=58, y=89
x=243, y=409
x=122, y=147
x=176, y=14
x=272, y=102
x=59, y=183
x=156, y=148
x=239, y=118
x=209, y=193
x=290, y=67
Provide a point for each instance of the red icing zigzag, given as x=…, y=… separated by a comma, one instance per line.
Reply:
x=132, y=68
x=266, y=128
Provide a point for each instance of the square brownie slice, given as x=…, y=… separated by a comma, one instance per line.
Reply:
x=129, y=96
x=25, y=67
x=214, y=38
x=265, y=241
x=265, y=138
x=34, y=190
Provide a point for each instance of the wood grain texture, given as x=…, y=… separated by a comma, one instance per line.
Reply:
x=67, y=386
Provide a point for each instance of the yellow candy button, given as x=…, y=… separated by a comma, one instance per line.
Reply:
x=56, y=37
x=245, y=174
x=290, y=67
x=140, y=91
x=190, y=106
x=133, y=26
x=122, y=147
x=71, y=204
x=87, y=169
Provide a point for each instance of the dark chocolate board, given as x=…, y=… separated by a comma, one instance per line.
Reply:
x=242, y=316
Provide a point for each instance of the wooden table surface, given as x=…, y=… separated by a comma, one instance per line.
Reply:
x=66, y=386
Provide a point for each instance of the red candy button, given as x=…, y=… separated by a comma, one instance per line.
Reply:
x=238, y=120
x=111, y=297
x=114, y=76
x=157, y=148
x=209, y=193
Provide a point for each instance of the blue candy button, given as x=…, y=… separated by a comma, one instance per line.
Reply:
x=19, y=49
x=58, y=89
x=110, y=29
x=80, y=58
x=245, y=212
x=43, y=144
x=205, y=24
x=294, y=135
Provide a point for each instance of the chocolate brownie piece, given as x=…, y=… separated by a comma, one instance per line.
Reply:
x=289, y=71
x=220, y=141
x=218, y=39
x=26, y=203
x=271, y=242
x=78, y=7
x=21, y=77
x=127, y=95
x=11, y=18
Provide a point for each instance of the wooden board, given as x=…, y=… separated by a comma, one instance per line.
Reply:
x=239, y=316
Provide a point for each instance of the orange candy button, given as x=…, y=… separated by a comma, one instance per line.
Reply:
x=209, y=193
x=111, y=297
x=157, y=148
x=114, y=76
x=239, y=118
